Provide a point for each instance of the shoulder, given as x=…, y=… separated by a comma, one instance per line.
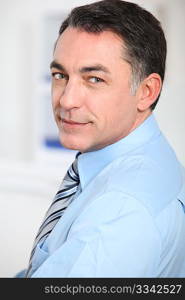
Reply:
x=152, y=181
x=151, y=174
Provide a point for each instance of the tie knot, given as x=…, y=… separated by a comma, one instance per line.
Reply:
x=74, y=168
x=73, y=171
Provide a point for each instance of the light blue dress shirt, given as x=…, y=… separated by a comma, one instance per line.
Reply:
x=128, y=220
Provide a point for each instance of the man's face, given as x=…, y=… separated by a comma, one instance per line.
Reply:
x=91, y=98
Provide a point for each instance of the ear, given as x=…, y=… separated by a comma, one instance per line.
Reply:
x=148, y=91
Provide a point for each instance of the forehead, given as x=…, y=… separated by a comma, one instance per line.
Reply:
x=78, y=46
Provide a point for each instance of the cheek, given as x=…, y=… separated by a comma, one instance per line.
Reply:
x=119, y=110
x=55, y=96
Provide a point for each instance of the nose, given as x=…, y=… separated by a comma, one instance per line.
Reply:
x=72, y=95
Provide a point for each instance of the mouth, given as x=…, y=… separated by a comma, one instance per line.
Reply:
x=69, y=124
x=72, y=122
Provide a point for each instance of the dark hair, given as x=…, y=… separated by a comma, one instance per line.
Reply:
x=144, y=40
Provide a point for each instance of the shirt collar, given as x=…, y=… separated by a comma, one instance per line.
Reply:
x=91, y=163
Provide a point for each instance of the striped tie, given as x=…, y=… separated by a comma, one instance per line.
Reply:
x=60, y=202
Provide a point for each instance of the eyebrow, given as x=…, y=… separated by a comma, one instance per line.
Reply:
x=97, y=67
x=87, y=69
x=56, y=65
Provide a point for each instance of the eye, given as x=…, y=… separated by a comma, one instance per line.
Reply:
x=95, y=79
x=59, y=76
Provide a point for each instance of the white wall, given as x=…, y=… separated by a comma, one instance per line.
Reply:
x=27, y=181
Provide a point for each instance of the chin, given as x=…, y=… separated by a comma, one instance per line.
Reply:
x=73, y=145
x=70, y=146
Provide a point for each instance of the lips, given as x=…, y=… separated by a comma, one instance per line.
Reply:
x=69, y=125
x=70, y=122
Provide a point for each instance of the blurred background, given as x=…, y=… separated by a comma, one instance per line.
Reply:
x=32, y=163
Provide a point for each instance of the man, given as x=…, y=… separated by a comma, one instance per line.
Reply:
x=120, y=210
